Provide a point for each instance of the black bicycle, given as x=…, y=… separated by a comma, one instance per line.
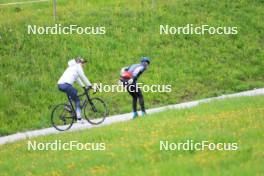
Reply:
x=93, y=109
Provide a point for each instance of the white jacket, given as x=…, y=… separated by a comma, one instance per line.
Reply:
x=74, y=73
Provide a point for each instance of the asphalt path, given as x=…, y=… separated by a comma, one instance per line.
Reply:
x=122, y=117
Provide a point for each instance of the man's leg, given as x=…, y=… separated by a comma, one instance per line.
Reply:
x=141, y=101
x=132, y=92
x=73, y=94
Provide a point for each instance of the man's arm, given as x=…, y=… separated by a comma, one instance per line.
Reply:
x=80, y=82
x=82, y=76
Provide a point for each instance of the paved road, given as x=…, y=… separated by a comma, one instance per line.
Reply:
x=122, y=117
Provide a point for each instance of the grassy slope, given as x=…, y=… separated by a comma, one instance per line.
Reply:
x=195, y=66
x=13, y=1
x=133, y=147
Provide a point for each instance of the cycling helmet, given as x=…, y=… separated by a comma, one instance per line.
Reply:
x=145, y=59
x=80, y=60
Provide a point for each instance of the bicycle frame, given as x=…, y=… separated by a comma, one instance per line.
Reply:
x=88, y=99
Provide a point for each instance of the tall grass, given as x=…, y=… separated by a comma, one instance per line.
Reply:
x=195, y=66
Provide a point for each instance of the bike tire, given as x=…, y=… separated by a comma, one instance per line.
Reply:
x=95, y=116
x=65, y=114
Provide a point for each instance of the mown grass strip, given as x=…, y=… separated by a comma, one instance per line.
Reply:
x=133, y=147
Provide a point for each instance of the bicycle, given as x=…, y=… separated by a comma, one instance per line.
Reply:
x=64, y=115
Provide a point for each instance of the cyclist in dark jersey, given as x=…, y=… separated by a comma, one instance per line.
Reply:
x=129, y=79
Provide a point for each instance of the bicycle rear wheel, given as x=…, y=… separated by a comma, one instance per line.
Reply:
x=62, y=117
x=96, y=111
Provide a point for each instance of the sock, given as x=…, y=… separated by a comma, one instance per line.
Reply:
x=78, y=113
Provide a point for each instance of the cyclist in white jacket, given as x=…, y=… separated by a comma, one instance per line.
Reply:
x=73, y=73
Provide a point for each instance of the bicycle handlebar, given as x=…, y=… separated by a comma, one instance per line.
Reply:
x=87, y=89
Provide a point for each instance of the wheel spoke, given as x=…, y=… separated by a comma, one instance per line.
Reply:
x=95, y=112
x=61, y=118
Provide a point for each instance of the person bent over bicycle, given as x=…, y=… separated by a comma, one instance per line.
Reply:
x=129, y=77
x=73, y=73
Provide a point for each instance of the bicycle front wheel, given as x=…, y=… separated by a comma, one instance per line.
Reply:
x=62, y=117
x=96, y=111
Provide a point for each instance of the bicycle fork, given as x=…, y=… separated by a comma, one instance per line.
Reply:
x=92, y=104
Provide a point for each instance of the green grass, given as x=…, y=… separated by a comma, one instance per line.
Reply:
x=195, y=66
x=13, y=1
x=133, y=147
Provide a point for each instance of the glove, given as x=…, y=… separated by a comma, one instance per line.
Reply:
x=87, y=88
x=130, y=81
